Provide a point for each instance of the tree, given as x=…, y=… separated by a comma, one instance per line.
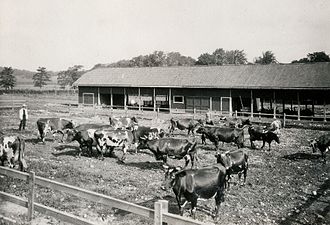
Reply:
x=235, y=57
x=41, y=77
x=267, y=57
x=7, y=78
x=206, y=59
x=219, y=56
x=314, y=57
x=69, y=76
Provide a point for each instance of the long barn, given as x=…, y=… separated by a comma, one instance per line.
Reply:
x=296, y=89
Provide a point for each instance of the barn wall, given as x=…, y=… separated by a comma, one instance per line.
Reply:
x=83, y=90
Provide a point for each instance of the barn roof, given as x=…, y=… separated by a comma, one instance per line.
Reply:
x=273, y=76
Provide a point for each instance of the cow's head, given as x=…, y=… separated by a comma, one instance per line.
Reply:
x=170, y=173
x=47, y=128
x=68, y=135
x=275, y=137
x=134, y=120
x=201, y=130
x=224, y=160
x=313, y=143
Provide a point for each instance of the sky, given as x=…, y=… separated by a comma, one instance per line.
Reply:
x=59, y=34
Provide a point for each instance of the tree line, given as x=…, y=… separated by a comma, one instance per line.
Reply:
x=156, y=59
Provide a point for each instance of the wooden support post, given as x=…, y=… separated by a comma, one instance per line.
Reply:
x=154, y=99
x=139, y=94
x=157, y=112
x=284, y=120
x=275, y=105
x=235, y=113
x=298, y=105
x=259, y=115
x=98, y=96
x=158, y=216
x=313, y=109
x=210, y=108
x=251, y=104
x=170, y=99
x=194, y=113
x=230, y=108
x=125, y=99
x=31, y=181
x=324, y=111
x=111, y=98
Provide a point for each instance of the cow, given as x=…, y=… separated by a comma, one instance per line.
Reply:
x=184, y=124
x=224, y=134
x=12, y=152
x=193, y=184
x=275, y=126
x=322, y=143
x=123, y=122
x=235, y=162
x=141, y=133
x=110, y=139
x=260, y=133
x=85, y=138
x=54, y=125
x=173, y=148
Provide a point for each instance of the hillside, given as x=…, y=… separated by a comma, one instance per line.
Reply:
x=24, y=79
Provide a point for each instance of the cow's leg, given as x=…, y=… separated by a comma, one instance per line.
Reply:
x=193, y=207
x=263, y=144
x=269, y=143
x=124, y=153
x=187, y=159
x=178, y=200
x=203, y=139
x=218, y=199
x=245, y=174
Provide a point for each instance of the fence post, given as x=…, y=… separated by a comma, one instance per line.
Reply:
x=235, y=113
x=157, y=112
x=284, y=120
x=194, y=113
x=164, y=207
x=31, y=195
x=259, y=115
x=274, y=112
x=158, y=217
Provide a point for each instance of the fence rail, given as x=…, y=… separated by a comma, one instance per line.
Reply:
x=159, y=214
x=11, y=104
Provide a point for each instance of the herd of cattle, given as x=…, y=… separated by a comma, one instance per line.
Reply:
x=126, y=133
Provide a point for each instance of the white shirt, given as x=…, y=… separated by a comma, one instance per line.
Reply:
x=21, y=113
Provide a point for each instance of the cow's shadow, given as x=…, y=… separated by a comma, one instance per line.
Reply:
x=172, y=206
x=302, y=155
x=145, y=165
x=66, y=150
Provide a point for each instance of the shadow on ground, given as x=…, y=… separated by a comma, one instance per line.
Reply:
x=305, y=214
x=302, y=155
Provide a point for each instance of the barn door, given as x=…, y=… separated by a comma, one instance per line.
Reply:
x=88, y=98
x=225, y=106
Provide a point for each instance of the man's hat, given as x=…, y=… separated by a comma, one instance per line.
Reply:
x=24, y=105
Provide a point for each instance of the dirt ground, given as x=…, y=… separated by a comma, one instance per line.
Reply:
x=288, y=185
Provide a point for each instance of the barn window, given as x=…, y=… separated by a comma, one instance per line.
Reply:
x=178, y=99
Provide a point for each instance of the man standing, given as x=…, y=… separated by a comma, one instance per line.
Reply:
x=23, y=116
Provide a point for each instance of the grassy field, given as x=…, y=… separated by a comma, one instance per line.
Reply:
x=288, y=185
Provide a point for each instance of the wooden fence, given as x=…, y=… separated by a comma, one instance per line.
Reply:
x=159, y=214
x=11, y=104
